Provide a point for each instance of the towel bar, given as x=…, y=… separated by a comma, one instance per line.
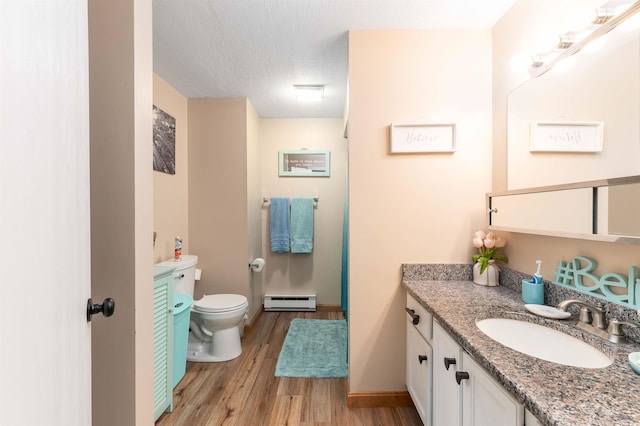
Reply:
x=265, y=200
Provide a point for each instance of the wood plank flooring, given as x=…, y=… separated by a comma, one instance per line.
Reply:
x=245, y=391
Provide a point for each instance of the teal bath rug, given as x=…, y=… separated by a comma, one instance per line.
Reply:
x=314, y=348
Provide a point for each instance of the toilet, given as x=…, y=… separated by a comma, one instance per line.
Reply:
x=215, y=327
x=184, y=276
x=214, y=332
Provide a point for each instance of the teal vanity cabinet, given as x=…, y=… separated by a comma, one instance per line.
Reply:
x=162, y=340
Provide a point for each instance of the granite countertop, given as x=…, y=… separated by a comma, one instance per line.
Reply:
x=554, y=393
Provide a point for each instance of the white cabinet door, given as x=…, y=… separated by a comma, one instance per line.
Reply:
x=485, y=402
x=447, y=394
x=419, y=360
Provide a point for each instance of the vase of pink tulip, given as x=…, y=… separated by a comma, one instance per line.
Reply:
x=485, y=271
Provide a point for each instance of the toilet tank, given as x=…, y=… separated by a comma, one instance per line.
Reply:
x=184, y=276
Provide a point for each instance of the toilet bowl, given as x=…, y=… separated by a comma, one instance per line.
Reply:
x=215, y=320
x=215, y=328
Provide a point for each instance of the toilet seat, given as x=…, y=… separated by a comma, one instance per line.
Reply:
x=220, y=303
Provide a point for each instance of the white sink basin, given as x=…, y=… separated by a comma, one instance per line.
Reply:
x=543, y=342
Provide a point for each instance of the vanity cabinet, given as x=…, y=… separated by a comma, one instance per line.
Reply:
x=447, y=395
x=162, y=340
x=447, y=386
x=484, y=401
x=419, y=358
x=464, y=393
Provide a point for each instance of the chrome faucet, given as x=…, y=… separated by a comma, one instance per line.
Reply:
x=591, y=319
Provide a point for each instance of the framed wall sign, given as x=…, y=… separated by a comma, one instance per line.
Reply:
x=410, y=138
x=304, y=163
x=554, y=136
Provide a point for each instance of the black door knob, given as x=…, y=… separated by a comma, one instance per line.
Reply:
x=422, y=358
x=107, y=308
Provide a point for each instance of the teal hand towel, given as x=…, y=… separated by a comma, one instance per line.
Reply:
x=301, y=225
x=279, y=225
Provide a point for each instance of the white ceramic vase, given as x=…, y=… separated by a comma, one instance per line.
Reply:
x=489, y=277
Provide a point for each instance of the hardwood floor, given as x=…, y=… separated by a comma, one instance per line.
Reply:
x=245, y=391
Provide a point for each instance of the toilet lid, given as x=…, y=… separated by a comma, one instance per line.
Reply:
x=220, y=303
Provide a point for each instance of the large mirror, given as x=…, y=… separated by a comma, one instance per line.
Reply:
x=579, y=121
x=603, y=210
x=573, y=142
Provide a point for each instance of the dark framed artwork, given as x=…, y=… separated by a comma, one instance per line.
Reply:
x=164, y=142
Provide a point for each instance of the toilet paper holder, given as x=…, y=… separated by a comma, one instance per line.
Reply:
x=257, y=264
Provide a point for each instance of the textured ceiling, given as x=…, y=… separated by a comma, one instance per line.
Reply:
x=258, y=49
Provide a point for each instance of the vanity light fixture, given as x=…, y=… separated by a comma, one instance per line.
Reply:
x=566, y=41
x=603, y=15
x=606, y=18
x=309, y=92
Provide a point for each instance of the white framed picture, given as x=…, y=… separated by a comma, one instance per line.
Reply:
x=416, y=138
x=568, y=136
x=304, y=163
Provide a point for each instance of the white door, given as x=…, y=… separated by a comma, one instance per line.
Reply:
x=45, y=340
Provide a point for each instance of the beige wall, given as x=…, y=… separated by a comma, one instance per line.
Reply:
x=121, y=86
x=515, y=33
x=170, y=192
x=254, y=206
x=218, y=199
x=318, y=273
x=410, y=208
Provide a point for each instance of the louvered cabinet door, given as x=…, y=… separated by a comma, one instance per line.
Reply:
x=162, y=340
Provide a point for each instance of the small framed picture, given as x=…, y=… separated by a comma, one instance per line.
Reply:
x=576, y=136
x=304, y=163
x=412, y=138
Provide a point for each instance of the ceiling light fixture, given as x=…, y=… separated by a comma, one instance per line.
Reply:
x=309, y=92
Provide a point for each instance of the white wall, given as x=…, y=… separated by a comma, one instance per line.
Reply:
x=410, y=208
x=319, y=272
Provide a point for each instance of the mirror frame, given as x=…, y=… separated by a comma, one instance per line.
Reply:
x=595, y=184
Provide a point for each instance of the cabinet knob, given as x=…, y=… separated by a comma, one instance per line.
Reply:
x=448, y=362
x=461, y=375
x=422, y=358
x=415, y=317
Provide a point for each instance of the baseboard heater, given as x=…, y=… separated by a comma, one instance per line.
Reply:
x=283, y=302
